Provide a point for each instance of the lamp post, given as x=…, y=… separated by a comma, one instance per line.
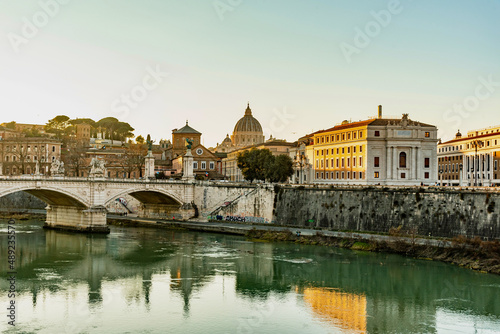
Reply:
x=441, y=176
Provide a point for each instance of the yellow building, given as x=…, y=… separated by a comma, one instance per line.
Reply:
x=471, y=160
x=380, y=150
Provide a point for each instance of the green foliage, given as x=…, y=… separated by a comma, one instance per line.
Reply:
x=255, y=163
x=113, y=129
x=281, y=169
x=139, y=139
x=11, y=125
x=33, y=132
x=262, y=165
x=58, y=125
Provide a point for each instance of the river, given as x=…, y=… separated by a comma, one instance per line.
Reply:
x=144, y=280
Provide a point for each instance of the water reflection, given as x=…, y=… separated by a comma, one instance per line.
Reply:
x=148, y=271
x=345, y=310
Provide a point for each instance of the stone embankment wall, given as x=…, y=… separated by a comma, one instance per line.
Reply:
x=427, y=211
x=243, y=203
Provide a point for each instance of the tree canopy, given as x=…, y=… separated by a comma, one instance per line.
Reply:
x=262, y=165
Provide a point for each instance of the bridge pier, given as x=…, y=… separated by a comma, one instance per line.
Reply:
x=70, y=218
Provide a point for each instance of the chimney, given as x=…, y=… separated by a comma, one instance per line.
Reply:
x=379, y=111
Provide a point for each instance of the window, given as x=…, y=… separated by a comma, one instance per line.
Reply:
x=195, y=165
x=349, y=150
x=360, y=161
x=354, y=162
x=402, y=160
x=361, y=149
x=377, y=133
x=53, y=148
x=342, y=175
x=203, y=165
x=353, y=175
x=326, y=163
x=337, y=163
x=317, y=164
x=343, y=150
x=321, y=174
x=427, y=134
x=348, y=162
x=376, y=175
x=426, y=175
x=348, y=175
x=427, y=162
x=376, y=162
x=343, y=165
x=403, y=175
x=354, y=135
x=360, y=134
x=212, y=165
x=337, y=175
x=348, y=136
x=317, y=175
x=360, y=175
x=337, y=151
x=354, y=149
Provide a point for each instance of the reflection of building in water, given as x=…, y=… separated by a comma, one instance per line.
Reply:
x=346, y=310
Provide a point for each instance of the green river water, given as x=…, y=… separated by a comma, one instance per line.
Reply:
x=140, y=280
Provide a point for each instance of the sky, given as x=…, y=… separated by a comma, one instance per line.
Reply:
x=302, y=65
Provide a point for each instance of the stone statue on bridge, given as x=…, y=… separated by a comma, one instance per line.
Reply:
x=97, y=168
x=57, y=168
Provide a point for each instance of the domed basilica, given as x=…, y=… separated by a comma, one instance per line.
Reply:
x=247, y=132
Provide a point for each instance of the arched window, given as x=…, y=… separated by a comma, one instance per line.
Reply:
x=402, y=160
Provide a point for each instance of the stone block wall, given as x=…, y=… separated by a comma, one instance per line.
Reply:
x=427, y=211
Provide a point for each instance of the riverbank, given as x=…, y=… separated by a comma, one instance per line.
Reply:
x=475, y=254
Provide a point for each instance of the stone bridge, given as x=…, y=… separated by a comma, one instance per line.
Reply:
x=80, y=203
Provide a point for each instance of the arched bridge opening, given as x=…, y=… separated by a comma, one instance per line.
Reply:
x=155, y=204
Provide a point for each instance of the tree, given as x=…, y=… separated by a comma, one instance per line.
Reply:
x=139, y=139
x=75, y=157
x=124, y=131
x=255, y=163
x=281, y=170
x=58, y=125
x=263, y=165
x=11, y=125
x=133, y=159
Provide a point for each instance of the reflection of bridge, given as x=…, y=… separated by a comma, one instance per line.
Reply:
x=80, y=203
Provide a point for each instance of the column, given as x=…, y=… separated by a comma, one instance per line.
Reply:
x=388, y=162
x=492, y=172
x=420, y=165
x=395, y=163
x=413, y=163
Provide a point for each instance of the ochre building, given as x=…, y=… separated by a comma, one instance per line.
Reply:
x=380, y=150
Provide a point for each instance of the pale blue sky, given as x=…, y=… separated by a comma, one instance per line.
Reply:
x=285, y=57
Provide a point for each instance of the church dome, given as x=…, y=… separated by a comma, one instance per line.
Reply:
x=248, y=123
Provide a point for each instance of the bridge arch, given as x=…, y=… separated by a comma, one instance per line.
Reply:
x=148, y=196
x=50, y=195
